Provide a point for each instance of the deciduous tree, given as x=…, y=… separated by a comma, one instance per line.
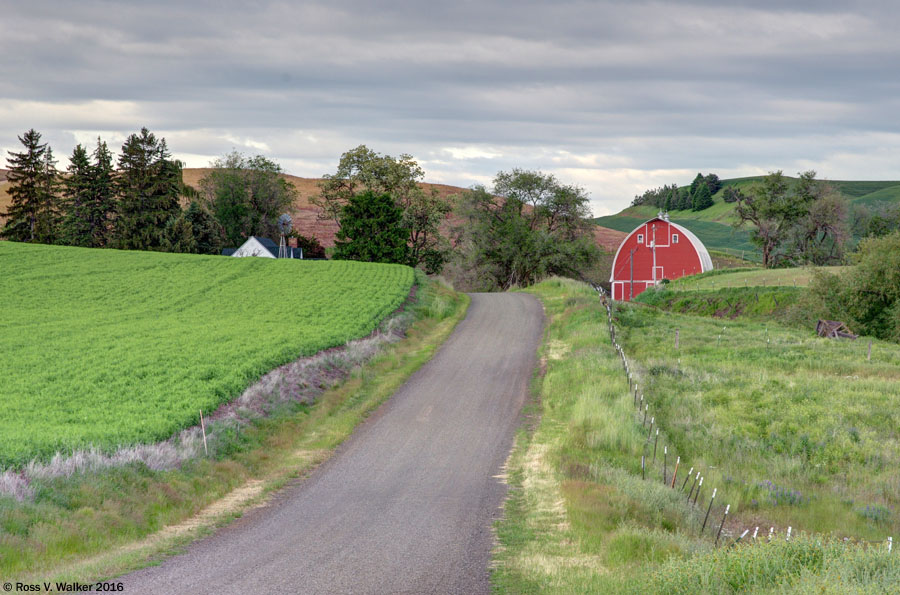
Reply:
x=372, y=230
x=534, y=228
x=361, y=170
x=247, y=195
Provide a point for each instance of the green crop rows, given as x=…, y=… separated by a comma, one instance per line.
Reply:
x=104, y=348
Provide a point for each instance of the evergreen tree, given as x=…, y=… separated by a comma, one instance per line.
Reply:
x=702, y=199
x=698, y=181
x=713, y=182
x=88, y=198
x=684, y=201
x=77, y=188
x=372, y=230
x=179, y=235
x=208, y=233
x=102, y=209
x=148, y=184
x=32, y=215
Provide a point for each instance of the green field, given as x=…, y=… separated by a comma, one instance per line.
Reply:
x=792, y=430
x=715, y=236
x=107, y=348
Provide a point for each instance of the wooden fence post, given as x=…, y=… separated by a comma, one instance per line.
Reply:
x=203, y=429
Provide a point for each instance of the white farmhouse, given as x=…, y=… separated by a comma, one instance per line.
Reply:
x=260, y=247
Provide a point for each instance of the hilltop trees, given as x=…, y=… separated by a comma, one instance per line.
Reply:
x=697, y=196
x=88, y=198
x=148, y=185
x=33, y=213
x=246, y=195
x=702, y=198
x=362, y=170
x=536, y=227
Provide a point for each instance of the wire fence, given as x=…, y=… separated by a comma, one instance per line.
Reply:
x=655, y=459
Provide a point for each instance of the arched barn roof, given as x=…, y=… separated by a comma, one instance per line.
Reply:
x=705, y=259
x=706, y=262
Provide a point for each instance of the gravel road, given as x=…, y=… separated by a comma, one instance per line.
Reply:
x=406, y=504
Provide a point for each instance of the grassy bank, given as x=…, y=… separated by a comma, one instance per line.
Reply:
x=789, y=429
x=100, y=524
x=728, y=303
x=718, y=279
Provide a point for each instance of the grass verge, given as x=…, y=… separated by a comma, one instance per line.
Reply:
x=791, y=430
x=96, y=525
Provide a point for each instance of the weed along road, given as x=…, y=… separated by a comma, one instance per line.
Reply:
x=406, y=504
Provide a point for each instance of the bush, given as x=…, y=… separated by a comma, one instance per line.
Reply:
x=868, y=297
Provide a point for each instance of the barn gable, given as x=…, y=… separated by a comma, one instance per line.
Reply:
x=655, y=250
x=260, y=247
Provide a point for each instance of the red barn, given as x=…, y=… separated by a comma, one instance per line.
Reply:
x=656, y=250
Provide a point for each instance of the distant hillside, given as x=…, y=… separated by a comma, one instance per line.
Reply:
x=714, y=225
x=857, y=192
x=306, y=220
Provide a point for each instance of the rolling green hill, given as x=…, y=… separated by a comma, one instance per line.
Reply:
x=107, y=348
x=856, y=192
x=714, y=225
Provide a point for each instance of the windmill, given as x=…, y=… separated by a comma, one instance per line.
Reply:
x=284, y=225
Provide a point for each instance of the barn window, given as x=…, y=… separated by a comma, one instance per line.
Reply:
x=674, y=238
x=640, y=238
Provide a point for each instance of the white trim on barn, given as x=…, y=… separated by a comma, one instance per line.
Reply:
x=706, y=263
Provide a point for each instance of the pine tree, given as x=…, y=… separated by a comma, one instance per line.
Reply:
x=698, y=181
x=702, y=199
x=179, y=235
x=32, y=215
x=103, y=197
x=208, y=233
x=76, y=198
x=89, y=199
x=148, y=185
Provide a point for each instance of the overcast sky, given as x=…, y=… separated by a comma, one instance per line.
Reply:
x=614, y=96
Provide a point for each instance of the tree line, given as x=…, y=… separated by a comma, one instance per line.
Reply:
x=696, y=197
x=136, y=203
x=527, y=226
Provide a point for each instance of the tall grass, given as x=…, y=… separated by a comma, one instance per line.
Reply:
x=792, y=431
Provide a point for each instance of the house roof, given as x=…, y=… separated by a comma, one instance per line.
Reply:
x=269, y=245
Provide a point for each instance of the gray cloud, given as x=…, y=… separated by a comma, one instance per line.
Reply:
x=617, y=96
